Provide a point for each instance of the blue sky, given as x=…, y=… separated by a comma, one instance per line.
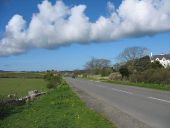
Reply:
x=73, y=55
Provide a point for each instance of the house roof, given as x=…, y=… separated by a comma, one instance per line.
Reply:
x=166, y=56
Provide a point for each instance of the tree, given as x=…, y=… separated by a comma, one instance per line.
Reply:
x=142, y=64
x=156, y=65
x=95, y=66
x=124, y=72
x=106, y=71
x=132, y=53
x=139, y=65
x=130, y=56
x=116, y=67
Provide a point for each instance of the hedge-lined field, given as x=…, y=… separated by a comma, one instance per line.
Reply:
x=20, y=86
x=21, y=74
x=60, y=108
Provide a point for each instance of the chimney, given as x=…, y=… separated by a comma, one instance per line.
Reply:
x=151, y=54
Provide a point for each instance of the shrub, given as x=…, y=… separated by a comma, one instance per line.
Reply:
x=157, y=76
x=124, y=71
x=51, y=85
x=54, y=79
x=85, y=75
x=115, y=76
x=106, y=71
x=4, y=108
x=7, y=106
x=74, y=75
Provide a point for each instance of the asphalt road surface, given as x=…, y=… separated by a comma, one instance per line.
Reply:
x=149, y=106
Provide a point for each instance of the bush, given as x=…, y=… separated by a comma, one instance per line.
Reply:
x=124, y=71
x=157, y=76
x=7, y=106
x=54, y=79
x=74, y=75
x=85, y=75
x=115, y=76
x=51, y=85
x=106, y=71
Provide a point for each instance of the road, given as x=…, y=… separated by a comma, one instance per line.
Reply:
x=149, y=106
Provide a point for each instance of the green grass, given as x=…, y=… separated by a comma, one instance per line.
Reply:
x=22, y=74
x=60, y=108
x=145, y=85
x=20, y=86
x=163, y=87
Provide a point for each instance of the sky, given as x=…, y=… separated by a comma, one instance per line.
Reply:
x=37, y=35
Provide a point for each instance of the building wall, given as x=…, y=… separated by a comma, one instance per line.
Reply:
x=163, y=61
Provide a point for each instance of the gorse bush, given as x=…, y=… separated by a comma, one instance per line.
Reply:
x=53, y=79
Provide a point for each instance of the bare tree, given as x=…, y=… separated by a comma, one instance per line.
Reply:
x=95, y=65
x=132, y=53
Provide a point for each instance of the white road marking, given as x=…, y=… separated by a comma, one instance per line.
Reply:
x=121, y=91
x=116, y=89
x=97, y=81
x=159, y=99
x=99, y=86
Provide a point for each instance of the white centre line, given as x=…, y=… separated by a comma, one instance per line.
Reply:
x=99, y=86
x=97, y=81
x=121, y=91
x=167, y=101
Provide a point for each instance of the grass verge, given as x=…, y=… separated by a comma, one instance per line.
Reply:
x=60, y=108
x=163, y=87
x=145, y=85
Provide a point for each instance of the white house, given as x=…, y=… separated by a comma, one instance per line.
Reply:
x=164, y=59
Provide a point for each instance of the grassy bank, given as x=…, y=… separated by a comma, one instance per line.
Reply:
x=20, y=86
x=60, y=108
x=164, y=87
x=145, y=85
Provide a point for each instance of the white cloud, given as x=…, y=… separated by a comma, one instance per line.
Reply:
x=110, y=7
x=57, y=25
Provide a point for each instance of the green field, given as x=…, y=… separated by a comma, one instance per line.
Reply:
x=60, y=108
x=20, y=86
x=21, y=74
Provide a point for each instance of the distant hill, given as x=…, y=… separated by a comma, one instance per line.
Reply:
x=4, y=71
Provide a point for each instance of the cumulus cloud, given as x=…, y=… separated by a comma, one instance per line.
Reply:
x=57, y=25
x=110, y=7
